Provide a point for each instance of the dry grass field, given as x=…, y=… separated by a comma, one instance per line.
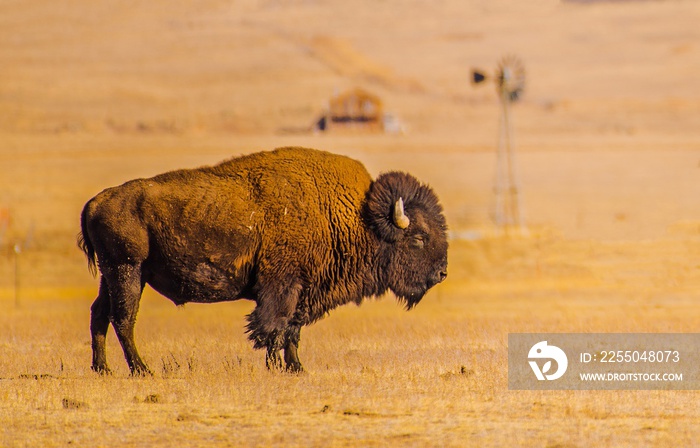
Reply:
x=96, y=93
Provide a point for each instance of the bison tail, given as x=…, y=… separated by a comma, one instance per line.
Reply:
x=85, y=244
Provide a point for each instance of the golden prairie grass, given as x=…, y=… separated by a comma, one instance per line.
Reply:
x=377, y=375
x=96, y=93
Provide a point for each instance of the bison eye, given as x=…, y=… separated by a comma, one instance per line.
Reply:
x=417, y=241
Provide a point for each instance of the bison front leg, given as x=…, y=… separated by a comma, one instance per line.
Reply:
x=273, y=361
x=268, y=324
x=291, y=344
x=289, y=341
x=263, y=338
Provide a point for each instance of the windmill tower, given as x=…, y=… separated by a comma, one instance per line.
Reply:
x=510, y=83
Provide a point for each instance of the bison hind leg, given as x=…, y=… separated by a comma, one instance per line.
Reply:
x=99, y=324
x=125, y=288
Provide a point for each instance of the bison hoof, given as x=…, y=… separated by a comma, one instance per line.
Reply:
x=295, y=367
x=141, y=370
x=102, y=370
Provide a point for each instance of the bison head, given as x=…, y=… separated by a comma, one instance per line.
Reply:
x=407, y=219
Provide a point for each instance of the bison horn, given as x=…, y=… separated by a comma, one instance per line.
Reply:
x=400, y=218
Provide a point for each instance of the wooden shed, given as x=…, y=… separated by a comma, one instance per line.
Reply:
x=353, y=110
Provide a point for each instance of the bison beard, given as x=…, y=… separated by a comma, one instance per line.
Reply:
x=296, y=230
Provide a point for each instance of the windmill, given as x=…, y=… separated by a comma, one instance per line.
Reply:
x=510, y=83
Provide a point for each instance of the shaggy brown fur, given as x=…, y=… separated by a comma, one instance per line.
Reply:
x=299, y=231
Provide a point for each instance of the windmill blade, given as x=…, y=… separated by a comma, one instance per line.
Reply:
x=478, y=77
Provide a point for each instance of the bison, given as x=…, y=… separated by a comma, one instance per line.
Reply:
x=299, y=231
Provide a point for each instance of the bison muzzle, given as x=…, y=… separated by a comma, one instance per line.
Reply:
x=296, y=230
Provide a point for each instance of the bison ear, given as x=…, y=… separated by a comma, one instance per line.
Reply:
x=386, y=203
